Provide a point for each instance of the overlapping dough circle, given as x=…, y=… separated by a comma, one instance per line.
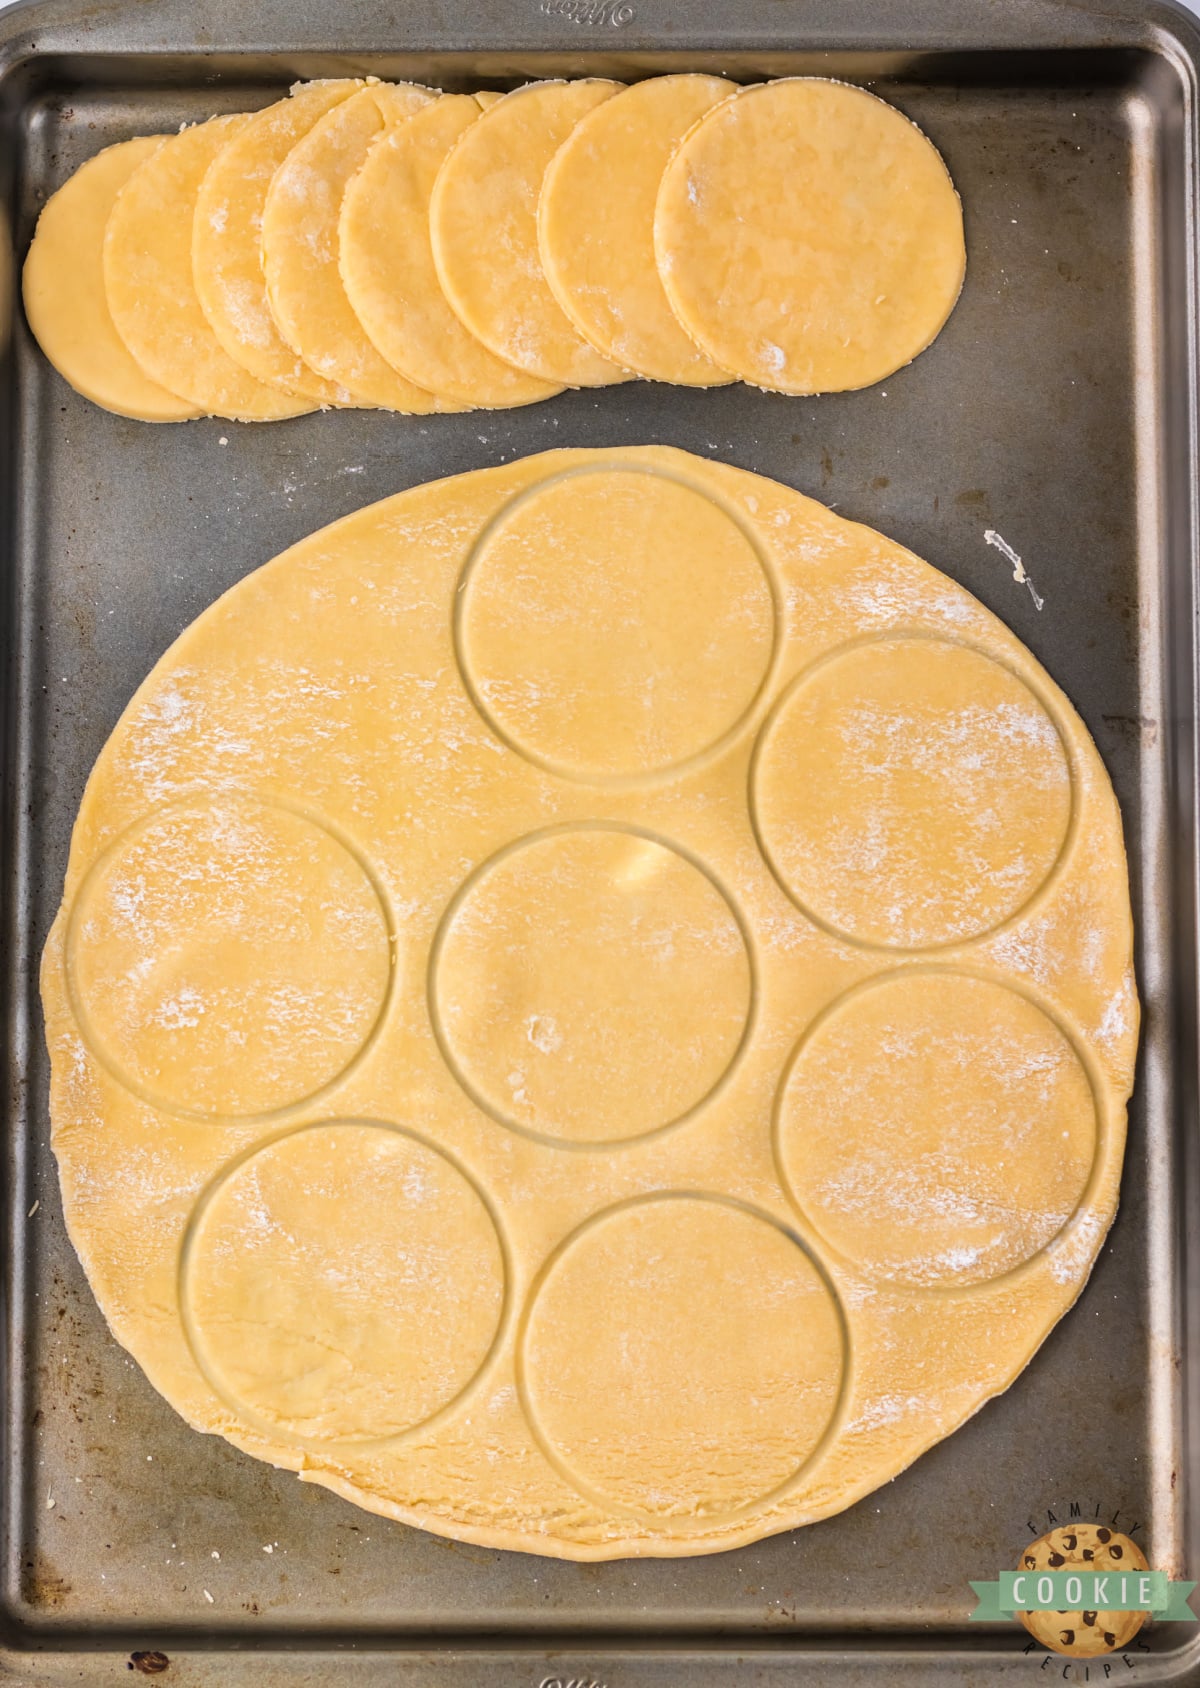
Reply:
x=596, y=226
x=227, y=259
x=380, y=244
x=508, y=1148
x=63, y=292
x=387, y=266
x=483, y=226
x=300, y=248
x=809, y=236
x=150, y=286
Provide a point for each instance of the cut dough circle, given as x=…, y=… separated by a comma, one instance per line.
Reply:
x=721, y=1347
x=151, y=288
x=641, y=589
x=483, y=224
x=517, y=1153
x=596, y=227
x=356, y=1259
x=64, y=296
x=228, y=957
x=300, y=249
x=227, y=257
x=914, y=1125
x=591, y=985
x=809, y=237
x=389, y=274
x=912, y=792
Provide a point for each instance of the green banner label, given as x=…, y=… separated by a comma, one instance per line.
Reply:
x=1083, y=1591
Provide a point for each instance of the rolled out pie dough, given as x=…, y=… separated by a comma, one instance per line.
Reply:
x=300, y=249
x=151, y=288
x=63, y=291
x=596, y=226
x=809, y=236
x=483, y=225
x=592, y=1009
x=227, y=260
x=390, y=277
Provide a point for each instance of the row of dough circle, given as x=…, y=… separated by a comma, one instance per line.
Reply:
x=592, y=1009
x=656, y=996
x=366, y=243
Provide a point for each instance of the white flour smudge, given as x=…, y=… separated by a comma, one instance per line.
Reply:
x=991, y=537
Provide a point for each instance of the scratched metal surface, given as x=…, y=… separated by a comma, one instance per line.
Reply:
x=1056, y=408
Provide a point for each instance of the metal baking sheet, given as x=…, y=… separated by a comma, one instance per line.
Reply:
x=1058, y=408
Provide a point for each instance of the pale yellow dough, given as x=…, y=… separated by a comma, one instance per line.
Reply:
x=151, y=289
x=809, y=237
x=483, y=225
x=388, y=270
x=63, y=291
x=592, y=1009
x=300, y=249
x=596, y=227
x=227, y=257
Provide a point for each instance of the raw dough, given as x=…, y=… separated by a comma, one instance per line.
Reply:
x=227, y=240
x=65, y=301
x=151, y=290
x=388, y=270
x=300, y=249
x=809, y=237
x=596, y=227
x=483, y=224
x=870, y=747
x=673, y=626
x=434, y=1089
x=802, y=234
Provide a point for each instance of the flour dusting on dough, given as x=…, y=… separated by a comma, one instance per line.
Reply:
x=493, y=1101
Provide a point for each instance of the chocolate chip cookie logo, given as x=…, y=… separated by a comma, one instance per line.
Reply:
x=1084, y=1590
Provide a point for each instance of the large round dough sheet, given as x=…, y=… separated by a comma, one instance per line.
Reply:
x=592, y=1009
